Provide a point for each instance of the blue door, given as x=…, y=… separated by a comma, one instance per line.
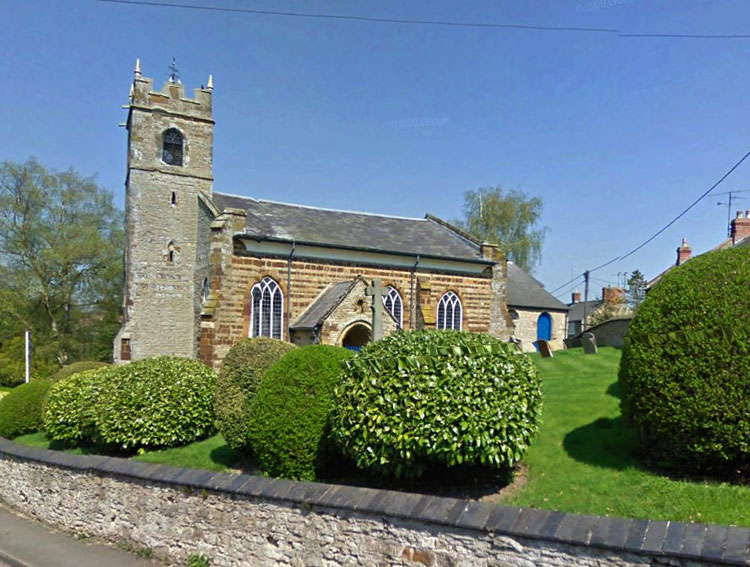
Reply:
x=544, y=327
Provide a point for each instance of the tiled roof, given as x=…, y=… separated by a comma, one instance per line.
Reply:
x=525, y=291
x=268, y=220
x=323, y=306
x=575, y=312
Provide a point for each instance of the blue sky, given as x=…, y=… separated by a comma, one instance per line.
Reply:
x=616, y=135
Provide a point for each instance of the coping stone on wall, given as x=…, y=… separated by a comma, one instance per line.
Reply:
x=725, y=545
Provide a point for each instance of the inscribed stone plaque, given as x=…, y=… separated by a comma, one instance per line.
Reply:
x=588, y=342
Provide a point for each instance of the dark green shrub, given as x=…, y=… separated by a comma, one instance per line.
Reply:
x=76, y=367
x=685, y=369
x=289, y=419
x=239, y=377
x=21, y=409
x=423, y=398
x=157, y=402
x=72, y=405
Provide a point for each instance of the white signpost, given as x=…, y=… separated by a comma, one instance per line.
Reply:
x=28, y=356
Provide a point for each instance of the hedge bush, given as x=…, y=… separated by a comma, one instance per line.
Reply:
x=685, y=369
x=239, y=377
x=72, y=404
x=21, y=409
x=156, y=402
x=76, y=367
x=423, y=398
x=289, y=419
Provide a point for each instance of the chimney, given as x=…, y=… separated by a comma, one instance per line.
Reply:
x=740, y=227
x=613, y=294
x=576, y=297
x=684, y=252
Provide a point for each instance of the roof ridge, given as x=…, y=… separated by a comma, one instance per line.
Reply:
x=330, y=210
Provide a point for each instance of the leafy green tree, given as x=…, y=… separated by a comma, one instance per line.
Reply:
x=61, y=241
x=507, y=218
x=636, y=289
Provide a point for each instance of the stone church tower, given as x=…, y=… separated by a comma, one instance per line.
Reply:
x=168, y=211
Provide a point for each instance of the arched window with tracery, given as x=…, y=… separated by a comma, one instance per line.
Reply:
x=394, y=304
x=172, y=147
x=449, y=312
x=266, y=309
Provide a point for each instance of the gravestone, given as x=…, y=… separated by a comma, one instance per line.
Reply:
x=588, y=342
x=376, y=291
x=544, y=349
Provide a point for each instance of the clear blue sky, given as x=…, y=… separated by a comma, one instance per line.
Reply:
x=616, y=135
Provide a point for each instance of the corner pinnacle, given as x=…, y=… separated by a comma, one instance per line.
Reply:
x=210, y=84
x=137, y=67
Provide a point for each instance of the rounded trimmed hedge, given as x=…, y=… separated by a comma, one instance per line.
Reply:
x=289, y=419
x=417, y=399
x=685, y=368
x=241, y=372
x=21, y=409
x=76, y=367
x=72, y=405
x=157, y=402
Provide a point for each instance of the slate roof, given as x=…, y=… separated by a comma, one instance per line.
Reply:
x=525, y=291
x=269, y=220
x=575, y=312
x=323, y=306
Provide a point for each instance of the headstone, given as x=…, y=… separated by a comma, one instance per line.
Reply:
x=588, y=342
x=376, y=291
x=544, y=349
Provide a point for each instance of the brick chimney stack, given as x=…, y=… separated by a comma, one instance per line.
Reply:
x=613, y=294
x=684, y=252
x=576, y=297
x=740, y=227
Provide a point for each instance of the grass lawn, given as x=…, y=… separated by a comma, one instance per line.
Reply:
x=583, y=461
x=211, y=454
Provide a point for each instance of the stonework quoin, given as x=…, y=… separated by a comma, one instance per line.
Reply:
x=168, y=212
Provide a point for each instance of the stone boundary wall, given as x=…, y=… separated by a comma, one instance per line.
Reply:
x=259, y=521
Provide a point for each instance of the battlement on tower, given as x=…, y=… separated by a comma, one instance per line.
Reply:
x=171, y=98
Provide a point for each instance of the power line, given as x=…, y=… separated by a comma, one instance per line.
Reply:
x=359, y=18
x=698, y=200
x=686, y=35
x=665, y=227
x=566, y=283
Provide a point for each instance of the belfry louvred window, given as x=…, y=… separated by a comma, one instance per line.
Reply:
x=172, y=146
x=449, y=312
x=266, y=309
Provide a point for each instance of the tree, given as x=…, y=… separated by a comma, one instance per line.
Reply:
x=636, y=289
x=507, y=218
x=61, y=241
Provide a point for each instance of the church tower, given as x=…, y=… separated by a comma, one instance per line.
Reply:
x=168, y=211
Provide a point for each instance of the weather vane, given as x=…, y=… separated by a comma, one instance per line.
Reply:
x=174, y=73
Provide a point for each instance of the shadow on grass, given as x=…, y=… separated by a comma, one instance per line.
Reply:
x=605, y=442
x=225, y=456
x=615, y=390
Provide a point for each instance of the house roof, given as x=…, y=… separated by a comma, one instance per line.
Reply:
x=525, y=291
x=323, y=306
x=728, y=243
x=269, y=220
x=575, y=312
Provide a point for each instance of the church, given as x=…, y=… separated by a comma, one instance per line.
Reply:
x=205, y=269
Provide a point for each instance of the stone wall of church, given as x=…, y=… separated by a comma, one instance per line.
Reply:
x=308, y=279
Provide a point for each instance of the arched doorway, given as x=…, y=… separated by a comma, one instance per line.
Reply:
x=544, y=327
x=356, y=336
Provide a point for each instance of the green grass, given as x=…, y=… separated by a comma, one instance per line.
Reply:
x=583, y=460
x=211, y=454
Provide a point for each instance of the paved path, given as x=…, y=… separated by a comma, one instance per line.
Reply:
x=25, y=543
